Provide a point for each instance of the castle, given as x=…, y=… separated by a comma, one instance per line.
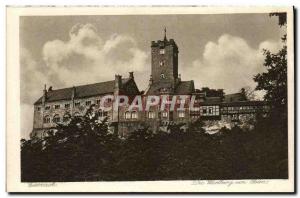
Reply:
x=59, y=105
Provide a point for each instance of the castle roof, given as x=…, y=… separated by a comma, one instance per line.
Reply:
x=212, y=100
x=82, y=91
x=185, y=88
x=182, y=88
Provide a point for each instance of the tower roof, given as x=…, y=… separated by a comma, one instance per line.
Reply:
x=164, y=42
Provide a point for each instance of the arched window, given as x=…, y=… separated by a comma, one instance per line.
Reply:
x=162, y=76
x=76, y=114
x=127, y=115
x=56, y=118
x=100, y=113
x=105, y=114
x=66, y=117
x=162, y=51
x=134, y=115
x=162, y=63
x=47, y=119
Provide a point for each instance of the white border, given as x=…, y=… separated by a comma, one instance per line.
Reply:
x=13, y=105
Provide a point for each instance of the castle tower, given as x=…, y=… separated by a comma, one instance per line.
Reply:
x=164, y=61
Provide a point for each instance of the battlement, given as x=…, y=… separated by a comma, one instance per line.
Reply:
x=163, y=43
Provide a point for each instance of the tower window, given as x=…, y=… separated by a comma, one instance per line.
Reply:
x=162, y=51
x=88, y=103
x=162, y=76
x=56, y=106
x=162, y=63
x=67, y=106
x=77, y=104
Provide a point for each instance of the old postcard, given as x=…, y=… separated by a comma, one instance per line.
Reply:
x=150, y=99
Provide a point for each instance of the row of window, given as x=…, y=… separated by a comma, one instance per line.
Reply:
x=162, y=51
x=209, y=110
x=241, y=108
x=56, y=118
x=244, y=109
x=133, y=115
x=128, y=115
x=151, y=114
x=76, y=104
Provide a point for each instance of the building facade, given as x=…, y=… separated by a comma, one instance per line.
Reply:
x=58, y=106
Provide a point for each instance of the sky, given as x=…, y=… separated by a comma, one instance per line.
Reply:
x=222, y=51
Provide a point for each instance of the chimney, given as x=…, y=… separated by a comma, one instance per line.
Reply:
x=131, y=75
x=150, y=80
x=44, y=95
x=118, y=81
x=73, y=96
x=50, y=88
x=73, y=93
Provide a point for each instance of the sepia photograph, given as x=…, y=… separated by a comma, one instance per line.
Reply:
x=202, y=96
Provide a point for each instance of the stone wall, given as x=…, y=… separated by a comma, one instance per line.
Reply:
x=40, y=112
x=245, y=121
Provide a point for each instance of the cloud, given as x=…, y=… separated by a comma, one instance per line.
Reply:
x=32, y=77
x=84, y=58
x=87, y=58
x=229, y=63
x=26, y=120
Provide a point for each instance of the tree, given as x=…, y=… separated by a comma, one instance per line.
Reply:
x=212, y=92
x=248, y=93
x=281, y=18
x=274, y=80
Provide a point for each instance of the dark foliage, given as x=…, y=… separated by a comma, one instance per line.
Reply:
x=281, y=18
x=85, y=151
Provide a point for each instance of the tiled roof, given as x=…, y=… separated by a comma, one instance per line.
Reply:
x=234, y=97
x=212, y=100
x=183, y=88
x=154, y=88
x=81, y=91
